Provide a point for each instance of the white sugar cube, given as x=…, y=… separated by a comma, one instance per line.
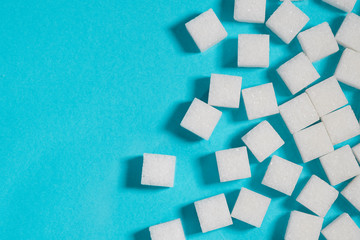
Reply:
x=345, y=5
x=348, y=34
x=348, y=70
x=213, y=213
x=327, y=96
x=303, y=226
x=206, y=30
x=356, y=151
x=262, y=140
x=282, y=175
x=250, y=207
x=253, y=50
x=158, y=170
x=313, y=142
x=298, y=73
x=251, y=11
x=224, y=90
x=352, y=192
x=318, y=42
x=318, y=196
x=168, y=230
x=201, y=119
x=287, y=21
x=341, y=124
x=298, y=113
x=260, y=101
x=340, y=165
x=233, y=164
x=343, y=227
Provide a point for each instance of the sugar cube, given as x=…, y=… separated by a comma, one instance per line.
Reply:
x=341, y=124
x=356, y=151
x=251, y=11
x=233, y=164
x=201, y=119
x=287, y=21
x=318, y=196
x=303, y=226
x=213, y=213
x=298, y=73
x=327, y=96
x=168, y=230
x=352, y=192
x=340, y=165
x=253, y=50
x=158, y=170
x=224, y=90
x=206, y=30
x=348, y=70
x=343, y=227
x=250, y=207
x=345, y=5
x=262, y=140
x=282, y=175
x=260, y=101
x=348, y=34
x=313, y=142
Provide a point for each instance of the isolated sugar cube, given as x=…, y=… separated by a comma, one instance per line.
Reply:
x=260, y=101
x=233, y=164
x=343, y=227
x=345, y=5
x=313, y=142
x=253, y=50
x=201, y=119
x=352, y=192
x=356, y=151
x=168, y=230
x=298, y=73
x=213, y=213
x=327, y=96
x=298, y=113
x=206, y=30
x=158, y=170
x=251, y=11
x=348, y=70
x=262, y=140
x=303, y=226
x=318, y=196
x=250, y=207
x=341, y=124
x=348, y=34
x=224, y=90
x=282, y=175
x=340, y=165
x=287, y=21
x=318, y=42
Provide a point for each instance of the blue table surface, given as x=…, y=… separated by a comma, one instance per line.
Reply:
x=88, y=86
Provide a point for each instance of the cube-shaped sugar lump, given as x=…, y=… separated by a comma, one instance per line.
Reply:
x=251, y=11
x=260, y=101
x=158, y=170
x=250, y=207
x=348, y=70
x=287, y=21
x=298, y=73
x=168, y=230
x=348, y=34
x=327, y=96
x=206, y=30
x=352, y=192
x=201, y=119
x=213, y=213
x=345, y=5
x=341, y=124
x=356, y=151
x=343, y=227
x=313, y=142
x=262, y=140
x=233, y=164
x=253, y=50
x=303, y=226
x=282, y=175
x=318, y=196
x=224, y=90
x=340, y=165
x=298, y=113
x=318, y=42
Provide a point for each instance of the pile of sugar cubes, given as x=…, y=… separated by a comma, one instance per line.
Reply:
x=318, y=116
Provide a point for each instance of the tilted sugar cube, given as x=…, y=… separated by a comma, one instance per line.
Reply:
x=224, y=90
x=168, y=230
x=348, y=34
x=206, y=30
x=352, y=192
x=253, y=50
x=348, y=70
x=343, y=227
x=158, y=170
x=303, y=226
x=251, y=11
x=345, y=5
x=356, y=151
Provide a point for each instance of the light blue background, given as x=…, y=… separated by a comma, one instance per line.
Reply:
x=88, y=86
